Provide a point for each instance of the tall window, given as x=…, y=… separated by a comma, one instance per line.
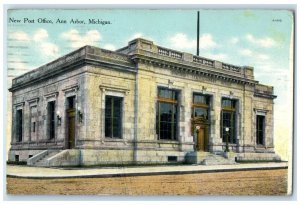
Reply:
x=167, y=114
x=19, y=125
x=32, y=124
x=260, y=129
x=113, y=116
x=200, y=106
x=228, y=119
x=51, y=119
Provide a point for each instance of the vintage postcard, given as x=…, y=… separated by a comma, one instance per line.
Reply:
x=143, y=102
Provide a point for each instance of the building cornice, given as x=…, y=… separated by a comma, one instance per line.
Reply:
x=142, y=51
x=84, y=56
x=264, y=91
x=264, y=95
x=190, y=68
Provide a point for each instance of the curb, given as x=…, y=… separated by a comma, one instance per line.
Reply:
x=175, y=172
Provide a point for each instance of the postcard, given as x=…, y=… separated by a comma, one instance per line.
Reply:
x=143, y=102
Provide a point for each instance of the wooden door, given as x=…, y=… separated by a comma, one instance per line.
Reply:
x=200, y=140
x=71, y=128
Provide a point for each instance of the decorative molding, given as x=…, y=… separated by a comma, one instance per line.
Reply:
x=231, y=67
x=33, y=101
x=19, y=106
x=71, y=90
x=232, y=97
x=104, y=88
x=51, y=67
x=50, y=96
x=186, y=67
x=264, y=95
x=260, y=111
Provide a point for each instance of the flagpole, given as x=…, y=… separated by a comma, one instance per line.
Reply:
x=198, y=31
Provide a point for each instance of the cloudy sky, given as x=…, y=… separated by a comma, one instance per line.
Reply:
x=258, y=38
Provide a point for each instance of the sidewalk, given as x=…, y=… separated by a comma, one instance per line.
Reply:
x=41, y=172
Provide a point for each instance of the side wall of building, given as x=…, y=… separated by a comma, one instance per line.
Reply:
x=33, y=101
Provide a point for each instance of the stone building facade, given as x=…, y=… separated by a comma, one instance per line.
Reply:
x=140, y=104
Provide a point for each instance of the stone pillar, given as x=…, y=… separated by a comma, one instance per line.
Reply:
x=216, y=140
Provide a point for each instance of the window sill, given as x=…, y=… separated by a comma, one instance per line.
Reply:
x=113, y=139
x=260, y=147
x=168, y=141
x=229, y=144
x=46, y=140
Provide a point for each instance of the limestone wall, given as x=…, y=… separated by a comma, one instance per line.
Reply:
x=37, y=96
x=264, y=106
x=150, y=77
x=100, y=82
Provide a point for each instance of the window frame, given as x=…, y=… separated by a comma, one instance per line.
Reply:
x=262, y=131
x=232, y=110
x=71, y=99
x=112, y=118
x=51, y=122
x=174, y=101
x=201, y=105
x=32, y=121
x=19, y=126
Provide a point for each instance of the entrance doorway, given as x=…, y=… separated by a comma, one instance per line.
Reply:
x=200, y=120
x=71, y=114
x=200, y=128
x=200, y=139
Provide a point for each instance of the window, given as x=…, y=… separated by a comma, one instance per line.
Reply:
x=200, y=106
x=113, y=116
x=32, y=124
x=228, y=119
x=260, y=129
x=172, y=158
x=228, y=103
x=51, y=119
x=71, y=102
x=167, y=114
x=201, y=99
x=19, y=125
x=17, y=158
x=33, y=127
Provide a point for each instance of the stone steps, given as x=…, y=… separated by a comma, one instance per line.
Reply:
x=207, y=158
x=43, y=161
x=213, y=159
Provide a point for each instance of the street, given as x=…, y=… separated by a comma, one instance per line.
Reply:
x=256, y=182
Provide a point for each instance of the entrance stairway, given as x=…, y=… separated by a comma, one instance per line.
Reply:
x=55, y=158
x=214, y=159
x=41, y=159
x=207, y=158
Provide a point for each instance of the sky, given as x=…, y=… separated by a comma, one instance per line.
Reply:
x=258, y=38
